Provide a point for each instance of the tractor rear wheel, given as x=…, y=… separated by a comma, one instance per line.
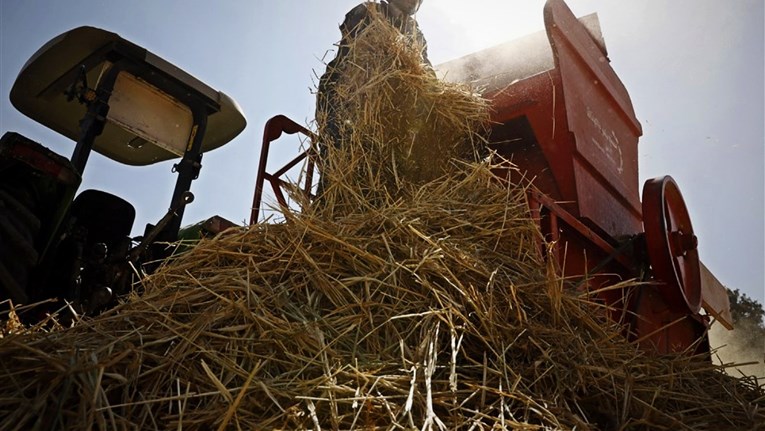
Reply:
x=18, y=230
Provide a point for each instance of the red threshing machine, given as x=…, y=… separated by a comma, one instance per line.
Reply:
x=563, y=117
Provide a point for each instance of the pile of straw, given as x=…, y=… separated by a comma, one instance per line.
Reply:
x=427, y=307
x=400, y=127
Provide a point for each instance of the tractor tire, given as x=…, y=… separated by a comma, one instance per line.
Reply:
x=18, y=230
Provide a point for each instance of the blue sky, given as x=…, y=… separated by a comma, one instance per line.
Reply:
x=694, y=70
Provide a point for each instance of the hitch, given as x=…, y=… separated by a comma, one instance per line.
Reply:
x=135, y=254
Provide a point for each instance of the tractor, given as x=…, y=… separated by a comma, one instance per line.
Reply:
x=126, y=103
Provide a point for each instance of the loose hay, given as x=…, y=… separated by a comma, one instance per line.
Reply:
x=394, y=304
x=399, y=126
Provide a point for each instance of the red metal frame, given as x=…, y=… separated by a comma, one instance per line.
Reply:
x=274, y=129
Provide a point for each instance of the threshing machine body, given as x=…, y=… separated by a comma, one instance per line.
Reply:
x=563, y=117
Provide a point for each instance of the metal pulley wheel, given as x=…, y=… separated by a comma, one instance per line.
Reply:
x=671, y=243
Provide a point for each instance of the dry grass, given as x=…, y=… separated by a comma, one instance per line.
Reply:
x=398, y=303
x=400, y=126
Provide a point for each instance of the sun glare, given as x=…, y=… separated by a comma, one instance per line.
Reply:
x=457, y=27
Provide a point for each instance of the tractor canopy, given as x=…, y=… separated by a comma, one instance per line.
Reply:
x=151, y=114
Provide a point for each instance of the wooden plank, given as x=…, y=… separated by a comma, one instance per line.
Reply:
x=714, y=298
